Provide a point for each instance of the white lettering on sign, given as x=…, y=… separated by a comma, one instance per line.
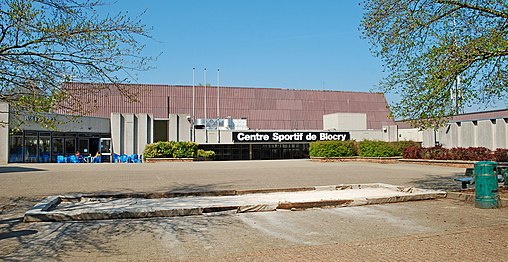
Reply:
x=252, y=137
x=327, y=136
x=287, y=137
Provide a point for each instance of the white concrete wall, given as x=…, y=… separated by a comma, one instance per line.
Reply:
x=485, y=137
x=429, y=138
x=345, y=121
x=130, y=133
x=367, y=135
x=145, y=131
x=467, y=131
x=501, y=133
x=413, y=134
x=489, y=133
x=4, y=133
x=179, y=127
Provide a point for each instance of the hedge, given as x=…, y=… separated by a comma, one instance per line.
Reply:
x=171, y=149
x=377, y=149
x=332, y=149
x=366, y=148
x=457, y=153
x=206, y=153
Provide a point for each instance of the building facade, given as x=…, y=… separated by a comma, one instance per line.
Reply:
x=237, y=123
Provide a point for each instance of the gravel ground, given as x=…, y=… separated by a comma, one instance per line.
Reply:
x=413, y=231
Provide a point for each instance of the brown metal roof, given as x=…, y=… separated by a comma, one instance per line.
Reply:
x=264, y=108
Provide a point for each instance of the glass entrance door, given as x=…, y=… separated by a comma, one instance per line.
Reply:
x=31, y=149
x=105, y=148
x=83, y=146
x=44, y=149
x=58, y=148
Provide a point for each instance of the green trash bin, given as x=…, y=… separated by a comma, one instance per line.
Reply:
x=486, y=187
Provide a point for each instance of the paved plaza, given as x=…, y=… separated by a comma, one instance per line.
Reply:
x=430, y=230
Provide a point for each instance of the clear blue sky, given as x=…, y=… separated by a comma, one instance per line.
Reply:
x=288, y=44
x=296, y=44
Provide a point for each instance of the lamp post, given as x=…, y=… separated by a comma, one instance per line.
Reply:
x=206, y=130
x=193, y=131
x=218, y=99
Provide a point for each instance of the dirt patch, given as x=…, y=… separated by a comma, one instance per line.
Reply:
x=502, y=190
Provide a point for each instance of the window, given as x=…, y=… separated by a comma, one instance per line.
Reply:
x=70, y=146
x=16, y=149
x=31, y=149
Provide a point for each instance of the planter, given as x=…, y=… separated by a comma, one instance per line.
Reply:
x=203, y=159
x=450, y=163
x=357, y=159
x=162, y=160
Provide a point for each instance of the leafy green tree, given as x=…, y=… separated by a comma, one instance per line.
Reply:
x=429, y=46
x=44, y=43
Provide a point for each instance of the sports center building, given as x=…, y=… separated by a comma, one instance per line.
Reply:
x=238, y=123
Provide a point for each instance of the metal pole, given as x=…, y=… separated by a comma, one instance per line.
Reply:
x=193, y=135
x=218, y=96
x=218, y=93
x=206, y=131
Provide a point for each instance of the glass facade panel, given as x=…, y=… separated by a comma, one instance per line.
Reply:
x=70, y=146
x=16, y=149
x=105, y=146
x=58, y=148
x=31, y=149
x=83, y=147
x=44, y=149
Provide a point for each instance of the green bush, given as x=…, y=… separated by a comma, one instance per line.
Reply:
x=159, y=149
x=378, y=149
x=332, y=149
x=185, y=149
x=400, y=146
x=170, y=149
x=206, y=153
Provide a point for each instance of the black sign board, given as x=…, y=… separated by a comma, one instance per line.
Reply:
x=288, y=137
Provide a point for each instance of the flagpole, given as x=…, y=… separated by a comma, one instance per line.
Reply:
x=193, y=131
x=206, y=131
x=218, y=96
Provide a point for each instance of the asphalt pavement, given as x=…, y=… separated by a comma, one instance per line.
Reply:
x=429, y=230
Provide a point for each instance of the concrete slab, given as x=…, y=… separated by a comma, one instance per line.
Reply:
x=90, y=207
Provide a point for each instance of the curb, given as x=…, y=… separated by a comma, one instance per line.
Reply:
x=470, y=198
x=46, y=211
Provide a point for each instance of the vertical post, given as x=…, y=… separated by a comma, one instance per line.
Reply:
x=206, y=130
x=193, y=136
x=218, y=99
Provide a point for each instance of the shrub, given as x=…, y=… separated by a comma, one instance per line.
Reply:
x=456, y=153
x=377, y=149
x=170, y=149
x=206, y=153
x=501, y=155
x=159, y=149
x=437, y=153
x=401, y=145
x=332, y=149
x=185, y=149
x=412, y=152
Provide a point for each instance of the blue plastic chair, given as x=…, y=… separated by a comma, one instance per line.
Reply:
x=61, y=159
x=116, y=158
x=124, y=158
x=73, y=159
x=134, y=158
x=97, y=159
